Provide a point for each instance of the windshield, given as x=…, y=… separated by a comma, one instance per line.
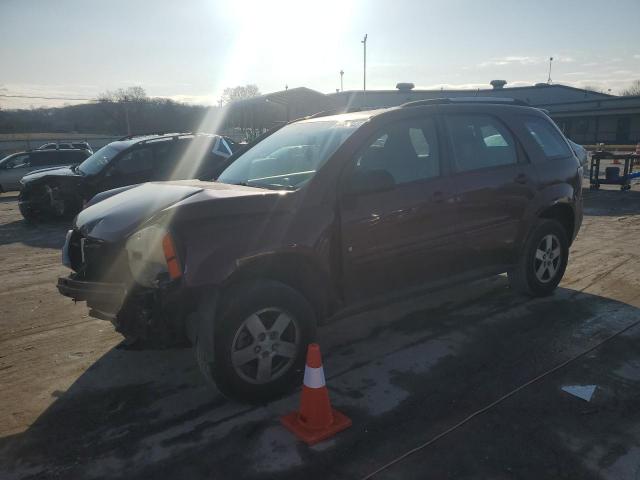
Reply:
x=96, y=162
x=289, y=157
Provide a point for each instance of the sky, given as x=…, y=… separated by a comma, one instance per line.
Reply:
x=190, y=50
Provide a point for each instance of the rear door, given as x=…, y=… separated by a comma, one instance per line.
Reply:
x=72, y=157
x=40, y=159
x=400, y=235
x=494, y=182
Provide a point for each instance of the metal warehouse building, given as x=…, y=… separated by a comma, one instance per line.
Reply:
x=585, y=116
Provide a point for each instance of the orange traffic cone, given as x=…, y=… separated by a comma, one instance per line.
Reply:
x=316, y=420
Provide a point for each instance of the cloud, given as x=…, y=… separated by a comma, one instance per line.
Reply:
x=194, y=99
x=523, y=60
x=510, y=60
x=470, y=86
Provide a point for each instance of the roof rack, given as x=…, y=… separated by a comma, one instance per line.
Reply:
x=176, y=136
x=134, y=135
x=445, y=101
x=337, y=111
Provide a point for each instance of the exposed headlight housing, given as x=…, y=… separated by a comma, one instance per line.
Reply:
x=151, y=252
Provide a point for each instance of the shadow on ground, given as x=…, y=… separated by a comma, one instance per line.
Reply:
x=614, y=203
x=9, y=197
x=402, y=375
x=41, y=235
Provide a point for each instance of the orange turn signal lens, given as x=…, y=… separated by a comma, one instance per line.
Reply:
x=173, y=264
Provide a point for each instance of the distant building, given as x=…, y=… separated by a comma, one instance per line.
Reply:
x=585, y=116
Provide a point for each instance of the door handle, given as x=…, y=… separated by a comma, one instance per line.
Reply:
x=521, y=178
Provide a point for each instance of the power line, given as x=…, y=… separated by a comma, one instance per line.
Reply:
x=44, y=98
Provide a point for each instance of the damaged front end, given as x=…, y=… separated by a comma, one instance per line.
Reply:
x=48, y=199
x=123, y=282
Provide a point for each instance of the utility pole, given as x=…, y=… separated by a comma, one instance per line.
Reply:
x=341, y=84
x=126, y=116
x=549, y=79
x=364, y=83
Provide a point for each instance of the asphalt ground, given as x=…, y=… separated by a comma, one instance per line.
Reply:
x=77, y=403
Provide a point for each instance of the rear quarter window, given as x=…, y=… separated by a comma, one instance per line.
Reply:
x=547, y=137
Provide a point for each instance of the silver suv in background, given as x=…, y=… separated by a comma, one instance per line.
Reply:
x=17, y=165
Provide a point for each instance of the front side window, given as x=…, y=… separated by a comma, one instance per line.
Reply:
x=17, y=161
x=288, y=158
x=407, y=151
x=135, y=161
x=547, y=137
x=480, y=141
x=100, y=159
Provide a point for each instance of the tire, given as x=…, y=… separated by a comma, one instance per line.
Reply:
x=547, y=237
x=27, y=213
x=249, y=334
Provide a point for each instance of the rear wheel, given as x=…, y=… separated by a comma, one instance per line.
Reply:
x=261, y=334
x=543, y=260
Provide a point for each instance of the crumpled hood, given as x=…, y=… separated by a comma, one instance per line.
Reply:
x=47, y=172
x=117, y=216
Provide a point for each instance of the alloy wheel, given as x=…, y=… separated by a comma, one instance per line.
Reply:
x=546, y=262
x=265, y=345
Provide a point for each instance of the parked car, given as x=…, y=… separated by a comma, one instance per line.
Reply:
x=63, y=191
x=17, y=165
x=60, y=146
x=370, y=206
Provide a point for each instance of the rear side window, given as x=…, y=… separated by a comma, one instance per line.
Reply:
x=480, y=141
x=73, y=156
x=407, y=151
x=547, y=137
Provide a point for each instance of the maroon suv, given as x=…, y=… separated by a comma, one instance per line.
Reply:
x=325, y=213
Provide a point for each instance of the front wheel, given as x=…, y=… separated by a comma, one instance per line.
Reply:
x=261, y=333
x=543, y=260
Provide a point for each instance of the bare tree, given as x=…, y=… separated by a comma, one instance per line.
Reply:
x=592, y=88
x=240, y=92
x=121, y=95
x=631, y=90
x=123, y=105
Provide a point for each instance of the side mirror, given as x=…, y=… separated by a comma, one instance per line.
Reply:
x=369, y=181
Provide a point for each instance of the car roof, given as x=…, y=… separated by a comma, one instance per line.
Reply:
x=129, y=141
x=472, y=103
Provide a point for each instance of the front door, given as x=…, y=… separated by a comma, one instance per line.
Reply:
x=133, y=167
x=396, y=213
x=494, y=184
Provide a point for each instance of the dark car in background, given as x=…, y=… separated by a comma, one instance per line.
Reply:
x=326, y=215
x=66, y=145
x=62, y=192
x=17, y=165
